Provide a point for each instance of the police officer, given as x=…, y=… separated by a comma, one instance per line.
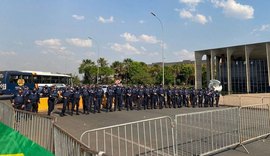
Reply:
x=206, y=98
x=66, y=98
x=52, y=96
x=76, y=100
x=174, y=97
x=180, y=98
x=134, y=95
x=91, y=91
x=18, y=100
x=109, y=96
x=161, y=97
x=27, y=102
x=128, y=98
x=147, y=98
x=140, y=97
x=169, y=97
x=200, y=97
x=85, y=98
x=154, y=97
x=45, y=91
x=98, y=96
x=211, y=98
x=118, y=98
x=34, y=100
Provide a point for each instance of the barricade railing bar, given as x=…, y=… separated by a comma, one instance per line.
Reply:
x=7, y=114
x=37, y=127
x=43, y=130
x=202, y=133
x=146, y=137
x=67, y=145
x=254, y=122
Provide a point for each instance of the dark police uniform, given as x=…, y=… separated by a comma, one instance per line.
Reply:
x=52, y=96
x=18, y=100
x=147, y=98
x=169, y=97
x=109, y=96
x=154, y=99
x=98, y=96
x=34, y=100
x=76, y=101
x=140, y=97
x=129, y=98
x=217, y=95
x=66, y=98
x=161, y=97
x=85, y=98
x=118, y=98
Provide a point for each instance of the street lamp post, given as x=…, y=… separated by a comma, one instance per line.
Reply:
x=91, y=38
x=162, y=45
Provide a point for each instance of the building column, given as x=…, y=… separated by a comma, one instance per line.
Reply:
x=268, y=61
x=247, y=54
x=217, y=67
x=208, y=68
x=229, y=64
x=212, y=65
x=198, y=70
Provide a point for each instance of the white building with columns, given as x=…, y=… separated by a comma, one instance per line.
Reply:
x=241, y=68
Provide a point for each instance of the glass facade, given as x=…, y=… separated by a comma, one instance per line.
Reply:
x=258, y=76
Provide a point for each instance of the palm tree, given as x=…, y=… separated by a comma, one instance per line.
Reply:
x=118, y=68
x=126, y=65
x=176, y=71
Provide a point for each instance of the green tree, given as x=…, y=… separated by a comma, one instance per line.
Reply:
x=105, y=72
x=75, y=80
x=139, y=73
x=118, y=68
x=89, y=70
x=155, y=72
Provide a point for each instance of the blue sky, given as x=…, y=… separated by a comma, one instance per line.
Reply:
x=53, y=35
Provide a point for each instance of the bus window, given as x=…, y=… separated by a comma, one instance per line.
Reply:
x=55, y=79
x=13, y=78
x=27, y=79
x=37, y=79
x=46, y=79
x=64, y=80
x=1, y=77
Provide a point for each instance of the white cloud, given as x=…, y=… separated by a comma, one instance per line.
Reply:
x=191, y=3
x=143, y=48
x=262, y=28
x=48, y=42
x=103, y=20
x=129, y=37
x=233, y=9
x=78, y=17
x=141, y=21
x=79, y=42
x=185, y=14
x=184, y=54
x=149, y=39
x=7, y=53
x=127, y=49
x=199, y=18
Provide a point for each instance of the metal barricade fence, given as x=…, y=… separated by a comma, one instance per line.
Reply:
x=202, y=133
x=36, y=127
x=146, y=137
x=7, y=114
x=67, y=145
x=254, y=122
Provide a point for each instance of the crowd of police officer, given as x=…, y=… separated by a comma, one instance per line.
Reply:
x=115, y=97
x=26, y=99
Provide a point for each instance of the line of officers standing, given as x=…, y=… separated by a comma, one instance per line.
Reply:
x=114, y=97
x=118, y=97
